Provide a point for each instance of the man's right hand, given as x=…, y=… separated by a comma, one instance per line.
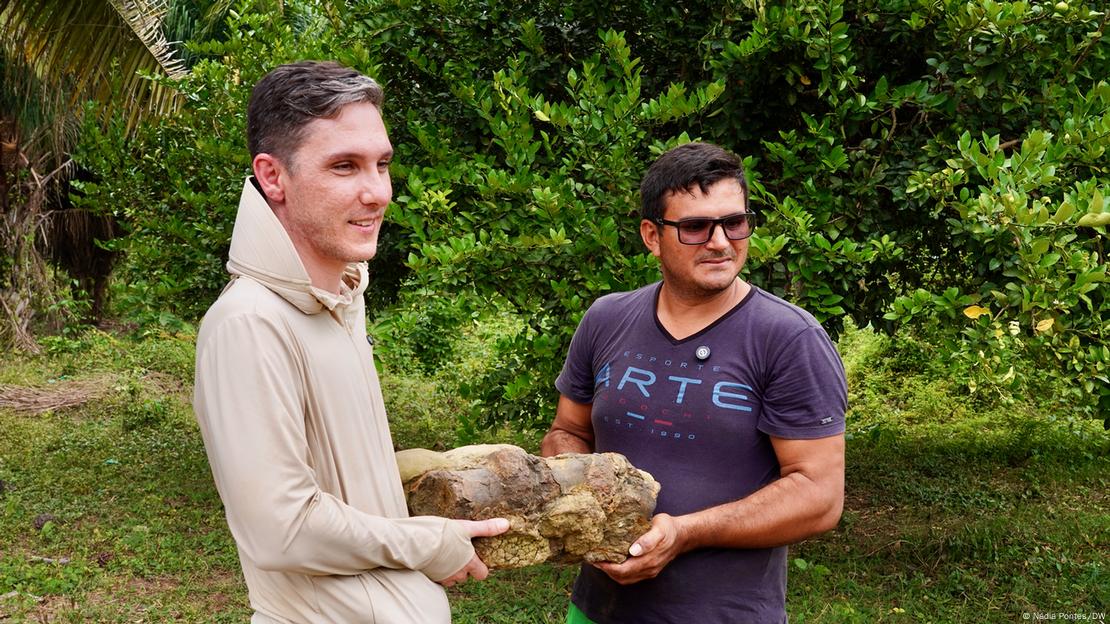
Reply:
x=475, y=568
x=650, y=553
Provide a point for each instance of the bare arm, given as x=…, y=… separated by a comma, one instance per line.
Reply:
x=806, y=500
x=572, y=431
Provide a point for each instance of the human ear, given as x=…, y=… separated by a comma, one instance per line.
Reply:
x=270, y=174
x=649, y=232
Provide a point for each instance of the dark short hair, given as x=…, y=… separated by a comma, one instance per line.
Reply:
x=679, y=169
x=288, y=98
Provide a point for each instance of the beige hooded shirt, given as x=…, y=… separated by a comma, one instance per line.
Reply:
x=293, y=421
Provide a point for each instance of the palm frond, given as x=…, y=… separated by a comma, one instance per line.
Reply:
x=92, y=50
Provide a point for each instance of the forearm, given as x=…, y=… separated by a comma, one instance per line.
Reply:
x=785, y=511
x=333, y=538
x=280, y=516
x=558, y=441
x=572, y=431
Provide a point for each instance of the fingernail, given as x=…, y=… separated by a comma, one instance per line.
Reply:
x=635, y=550
x=502, y=524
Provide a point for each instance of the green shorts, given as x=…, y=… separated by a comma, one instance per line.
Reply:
x=574, y=616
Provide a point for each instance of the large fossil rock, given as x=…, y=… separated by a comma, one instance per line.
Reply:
x=568, y=508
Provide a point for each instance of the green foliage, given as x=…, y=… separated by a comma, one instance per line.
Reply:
x=957, y=503
x=864, y=212
x=540, y=221
x=1017, y=219
x=915, y=160
x=422, y=414
x=886, y=207
x=422, y=333
x=424, y=404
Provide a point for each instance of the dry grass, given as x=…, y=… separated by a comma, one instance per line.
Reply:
x=58, y=395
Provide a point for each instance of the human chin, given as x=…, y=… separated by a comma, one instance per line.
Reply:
x=716, y=277
x=362, y=250
x=371, y=252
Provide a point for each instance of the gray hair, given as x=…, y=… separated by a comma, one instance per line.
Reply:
x=291, y=96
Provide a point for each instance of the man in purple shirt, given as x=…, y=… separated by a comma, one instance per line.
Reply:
x=731, y=397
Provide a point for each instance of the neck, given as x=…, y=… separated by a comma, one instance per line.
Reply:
x=324, y=273
x=685, y=300
x=686, y=313
x=324, y=278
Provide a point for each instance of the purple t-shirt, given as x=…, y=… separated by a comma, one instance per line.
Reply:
x=697, y=414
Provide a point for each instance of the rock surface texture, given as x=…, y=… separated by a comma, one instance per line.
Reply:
x=567, y=509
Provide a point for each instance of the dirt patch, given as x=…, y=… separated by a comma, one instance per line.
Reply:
x=136, y=598
x=164, y=383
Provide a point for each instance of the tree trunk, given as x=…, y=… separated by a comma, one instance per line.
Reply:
x=25, y=280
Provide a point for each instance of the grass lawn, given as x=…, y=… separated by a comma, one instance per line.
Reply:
x=956, y=511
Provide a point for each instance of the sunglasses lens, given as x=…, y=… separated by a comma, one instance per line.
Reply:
x=694, y=231
x=737, y=227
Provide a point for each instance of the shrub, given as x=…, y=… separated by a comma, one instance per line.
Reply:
x=939, y=165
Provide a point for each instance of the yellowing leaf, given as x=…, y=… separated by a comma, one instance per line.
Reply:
x=1045, y=324
x=542, y=116
x=1009, y=374
x=1094, y=219
x=974, y=312
x=804, y=79
x=1066, y=210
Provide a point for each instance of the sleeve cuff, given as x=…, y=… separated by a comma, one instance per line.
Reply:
x=455, y=552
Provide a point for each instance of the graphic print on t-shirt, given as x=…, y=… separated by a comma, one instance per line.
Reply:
x=669, y=396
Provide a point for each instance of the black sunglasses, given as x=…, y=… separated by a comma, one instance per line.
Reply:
x=698, y=230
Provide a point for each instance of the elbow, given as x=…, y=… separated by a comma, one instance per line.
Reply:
x=268, y=553
x=828, y=522
x=830, y=518
x=559, y=441
x=270, y=556
x=270, y=561
x=547, y=445
x=276, y=560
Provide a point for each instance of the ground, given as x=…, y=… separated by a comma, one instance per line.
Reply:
x=958, y=510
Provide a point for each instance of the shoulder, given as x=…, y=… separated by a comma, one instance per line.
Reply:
x=243, y=303
x=776, y=313
x=781, y=330
x=624, y=302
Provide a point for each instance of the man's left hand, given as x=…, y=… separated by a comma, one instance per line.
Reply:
x=650, y=553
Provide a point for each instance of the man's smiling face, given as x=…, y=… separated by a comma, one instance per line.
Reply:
x=336, y=189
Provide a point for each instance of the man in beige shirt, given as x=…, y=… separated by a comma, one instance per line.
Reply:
x=287, y=396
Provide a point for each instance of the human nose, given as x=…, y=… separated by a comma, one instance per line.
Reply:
x=377, y=189
x=717, y=237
